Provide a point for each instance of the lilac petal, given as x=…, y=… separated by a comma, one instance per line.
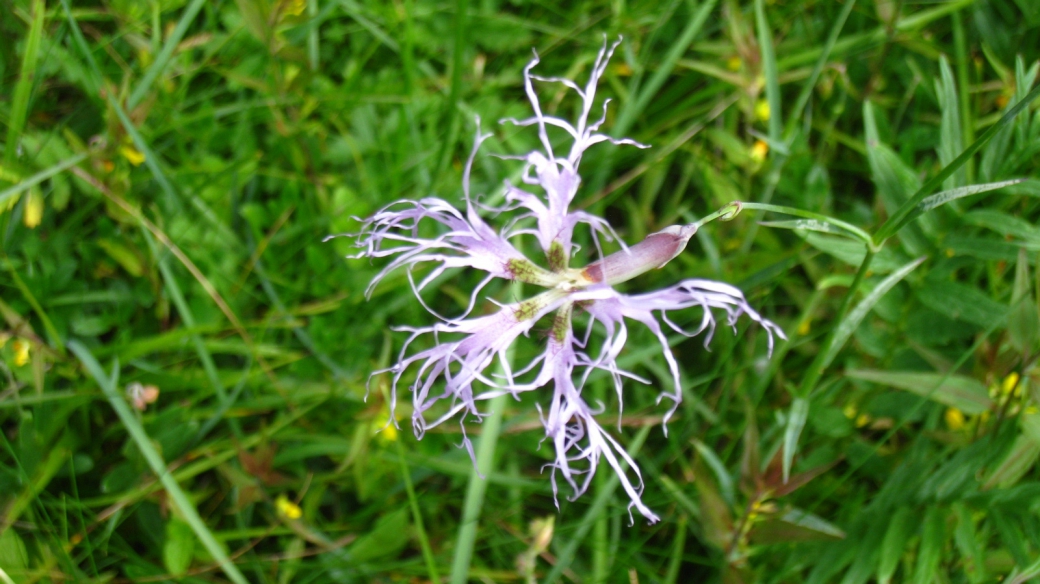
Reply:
x=571, y=426
x=461, y=362
x=611, y=308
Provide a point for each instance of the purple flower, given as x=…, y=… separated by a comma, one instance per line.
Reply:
x=451, y=377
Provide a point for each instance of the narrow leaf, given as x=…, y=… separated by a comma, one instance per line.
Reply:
x=964, y=393
x=795, y=423
x=857, y=314
x=960, y=192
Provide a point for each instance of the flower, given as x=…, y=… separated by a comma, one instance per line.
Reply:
x=451, y=377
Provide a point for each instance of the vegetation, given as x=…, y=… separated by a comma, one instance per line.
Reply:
x=185, y=362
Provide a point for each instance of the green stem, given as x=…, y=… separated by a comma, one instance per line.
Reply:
x=413, y=502
x=491, y=428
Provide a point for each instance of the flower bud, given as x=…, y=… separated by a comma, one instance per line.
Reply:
x=653, y=252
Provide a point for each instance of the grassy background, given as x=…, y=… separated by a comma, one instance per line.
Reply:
x=170, y=168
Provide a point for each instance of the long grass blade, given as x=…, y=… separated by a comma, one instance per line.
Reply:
x=109, y=386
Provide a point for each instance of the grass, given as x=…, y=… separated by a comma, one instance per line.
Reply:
x=170, y=169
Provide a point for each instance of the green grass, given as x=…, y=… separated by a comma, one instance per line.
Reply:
x=185, y=160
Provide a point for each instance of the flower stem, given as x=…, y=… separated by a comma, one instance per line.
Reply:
x=413, y=502
x=474, y=502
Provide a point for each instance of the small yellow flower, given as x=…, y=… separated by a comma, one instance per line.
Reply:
x=131, y=154
x=733, y=63
x=954, y=419
x=1010, y=384
x=762, y=110
x=287, y=508
x=33, y=213
x=21, y=352
x=862, y=420
x=849, y=411
x=759, y=150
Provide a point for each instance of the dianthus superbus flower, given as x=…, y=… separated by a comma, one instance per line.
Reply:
x=454, y=375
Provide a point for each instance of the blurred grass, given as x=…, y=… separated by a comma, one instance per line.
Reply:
x=170, y=169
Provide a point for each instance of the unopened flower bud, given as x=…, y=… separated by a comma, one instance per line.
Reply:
x=653, y=252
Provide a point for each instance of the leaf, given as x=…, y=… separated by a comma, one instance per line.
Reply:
x=930, y=552
x=951, y=137
x=857, y=314
x=1022, y=456
x=179, y=547
x=1023, y=319
x=795, y=525
x=1019, y=460
x=795, y=423
x=893, y=178
x=386, y=540
x=852, y=252
x=944, y=197
x=13, y=556
x=961, y=302
x=1004, y=224
x=123, y=255
x=967, y=541
x=900, y=525
x=807, y=224
x=964, y=393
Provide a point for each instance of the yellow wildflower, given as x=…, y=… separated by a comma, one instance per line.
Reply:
x=762, y=110
x=733, y=63
x=131, y=154
x=1010, y=384
x=33, y=213
x=287, y=508
x=21, y=352
x=954, y=419
x=759, y=150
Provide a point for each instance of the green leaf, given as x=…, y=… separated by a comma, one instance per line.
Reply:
x=1022, y=456
x=852, y=252
x=944, y=197
x=795, y=525
x=123, y=255
x=795, y=423
x=951, y=137
x=932, y=537
x=13, y=556
x=179, y=547
x=1004, y=224
x=901, y=524
x=967, y=541
x=857, y=314
x=961, y=302
x=964, y=393
x=1023, y=320
x=769, y=70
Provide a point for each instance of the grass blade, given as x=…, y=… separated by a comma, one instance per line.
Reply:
x=765, y=44
x=164, y=56
x=23, y=89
